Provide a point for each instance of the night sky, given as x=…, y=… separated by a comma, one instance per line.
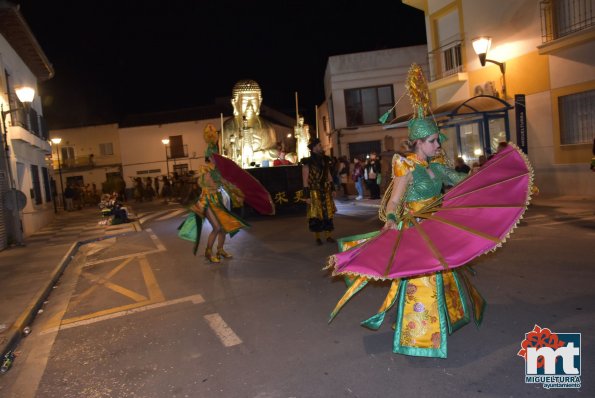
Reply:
x=113, y=58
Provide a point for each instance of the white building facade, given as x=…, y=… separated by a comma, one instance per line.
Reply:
x=359, y=89
x=25, y=175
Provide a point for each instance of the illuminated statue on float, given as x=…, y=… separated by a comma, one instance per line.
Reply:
x=302, y=136
x=247, y=138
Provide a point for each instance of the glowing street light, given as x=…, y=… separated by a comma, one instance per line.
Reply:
x=165, y=142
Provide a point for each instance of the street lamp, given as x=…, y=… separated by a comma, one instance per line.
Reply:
x=165, y=142
x=56, y=141
x=481, y=46
x=25, y=95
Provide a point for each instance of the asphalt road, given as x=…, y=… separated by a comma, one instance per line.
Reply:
x=140, y=316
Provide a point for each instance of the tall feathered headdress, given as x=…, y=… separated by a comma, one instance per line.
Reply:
x=421, y=125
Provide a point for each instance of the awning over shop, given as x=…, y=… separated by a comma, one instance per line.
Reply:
x=480, y=104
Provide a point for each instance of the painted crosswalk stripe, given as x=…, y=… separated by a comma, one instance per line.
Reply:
x=171, y=215
x=145, y=218
x=224, y=332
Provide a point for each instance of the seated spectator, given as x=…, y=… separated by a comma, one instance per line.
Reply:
x=281, y=161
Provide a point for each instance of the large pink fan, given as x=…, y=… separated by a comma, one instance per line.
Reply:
x=255, y=193
x=472, y=218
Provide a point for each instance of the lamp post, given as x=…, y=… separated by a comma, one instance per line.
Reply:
x=56, y=141
x=25, y=96
x=481, y=46
x=165, y=142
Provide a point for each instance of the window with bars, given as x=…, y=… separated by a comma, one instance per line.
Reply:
x=577, y=118
x=365, y=105
x=452, y=60
x=560, y=18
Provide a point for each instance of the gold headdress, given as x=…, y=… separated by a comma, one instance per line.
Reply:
x=211, y=138
x=421, y=125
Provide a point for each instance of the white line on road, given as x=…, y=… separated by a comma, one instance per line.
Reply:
x=171, y=215
x=224, y=332
x=155, y=239
x=195, y=299
x=149, y=216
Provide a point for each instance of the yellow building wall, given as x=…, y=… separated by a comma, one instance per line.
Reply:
x=577, y=153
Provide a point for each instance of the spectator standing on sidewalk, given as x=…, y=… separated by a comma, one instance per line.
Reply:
x=69, y=198
x=358, y=178
x=344, y=175
x=371, y=174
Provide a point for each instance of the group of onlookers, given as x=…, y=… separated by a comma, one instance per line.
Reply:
x=367, y=173
x=150, y=188
x=77, y=196
x=361, y=174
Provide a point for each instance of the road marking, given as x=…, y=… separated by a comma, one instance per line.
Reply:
x=195, y=299
x=224, y=332
x=171, y=215
x=153, y=290
x=154, y=238
x=150, y=281
x=147, y=217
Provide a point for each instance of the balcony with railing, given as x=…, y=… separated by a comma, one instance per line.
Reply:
x=176, y=151
x=565, y=23
x=27, y=125
x=82, y=163
x=446, y=60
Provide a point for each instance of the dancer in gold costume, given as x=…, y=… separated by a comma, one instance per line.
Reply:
x=210, y=204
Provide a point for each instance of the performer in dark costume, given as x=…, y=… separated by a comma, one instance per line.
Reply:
x=319, y=191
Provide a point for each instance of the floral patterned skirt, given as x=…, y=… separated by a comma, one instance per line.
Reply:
x=428, y=307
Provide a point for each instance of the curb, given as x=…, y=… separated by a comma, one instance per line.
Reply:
x=27, y=316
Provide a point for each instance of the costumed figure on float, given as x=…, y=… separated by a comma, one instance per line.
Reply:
x=301, y=132
x=429, y=237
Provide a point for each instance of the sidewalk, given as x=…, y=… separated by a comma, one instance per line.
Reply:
x=28, y=273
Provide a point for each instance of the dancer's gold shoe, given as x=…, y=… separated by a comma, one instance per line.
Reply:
x=210, y=257
x=222, y=253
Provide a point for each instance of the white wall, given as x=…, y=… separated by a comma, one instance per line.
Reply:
x=142, y=148
x=514, y=26
x=573, y=65
x=28, y=153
